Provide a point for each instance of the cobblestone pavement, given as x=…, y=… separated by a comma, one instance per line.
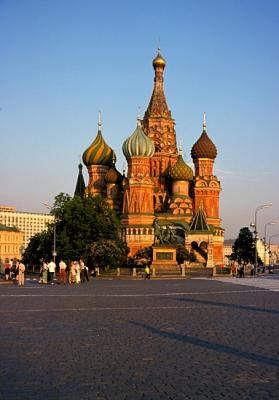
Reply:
x=125, y=339
x=268, y=282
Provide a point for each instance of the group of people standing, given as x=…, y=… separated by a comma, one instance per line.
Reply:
x=74, y=273
x=14, y=270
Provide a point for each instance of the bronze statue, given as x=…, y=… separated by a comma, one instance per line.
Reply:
x=163, y=236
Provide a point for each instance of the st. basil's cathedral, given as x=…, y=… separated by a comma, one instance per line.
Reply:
x=160, y=188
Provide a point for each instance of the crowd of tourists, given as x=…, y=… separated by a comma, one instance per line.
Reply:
x=14, y=270
x=74, y=272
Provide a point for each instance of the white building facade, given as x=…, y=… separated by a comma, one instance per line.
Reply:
x=26, y=222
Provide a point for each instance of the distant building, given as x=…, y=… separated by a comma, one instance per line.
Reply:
x=274, y=257
x=262, y=251
x=11, y=243
x=28, y=223
x=228, y=245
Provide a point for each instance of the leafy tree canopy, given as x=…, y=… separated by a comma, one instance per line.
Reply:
x=244, y=247
x=39, y=248
x=107, y=253
x=182, y=254
x=143, y=256
x=79, y=222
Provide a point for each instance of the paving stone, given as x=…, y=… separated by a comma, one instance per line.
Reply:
x=176, y=339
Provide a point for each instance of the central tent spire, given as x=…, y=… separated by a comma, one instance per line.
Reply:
x=157, y=122
x=158, y=105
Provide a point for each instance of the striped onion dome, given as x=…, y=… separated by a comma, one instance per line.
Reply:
x=180, y=171
x=98, y=153
x=113, y=176
x=204, y=147
x=138, y=144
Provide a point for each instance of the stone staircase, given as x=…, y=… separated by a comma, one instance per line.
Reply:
x=199, y=257
x=174, y=270
x=197, y=270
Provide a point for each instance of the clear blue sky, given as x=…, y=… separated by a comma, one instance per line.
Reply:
x=63, y=60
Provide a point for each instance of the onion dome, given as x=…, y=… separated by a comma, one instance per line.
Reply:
x=99, y=152
x=204, y=147
x=159, y=61
x=180, y=171
x=113, y=176
x=138, y=144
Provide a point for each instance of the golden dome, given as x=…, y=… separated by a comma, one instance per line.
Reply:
x=159, y=61
x=180, y=171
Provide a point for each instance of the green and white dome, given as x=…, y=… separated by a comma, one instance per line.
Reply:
x=138, y=144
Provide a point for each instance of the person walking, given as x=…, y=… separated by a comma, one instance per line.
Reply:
x=17, y=271
x=7, y=267
x=72, y=272
x=21, y=271
x=241, y=271
x=234, y=269
x=147, y=272
x=41, y=273
x=45, y=273
x=13, y=268
x=51, y=269
x=83, y=272
x=77, y=267
x=62, y=272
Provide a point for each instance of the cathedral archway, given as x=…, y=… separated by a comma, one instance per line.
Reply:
x=194, y=245
x=200, y=251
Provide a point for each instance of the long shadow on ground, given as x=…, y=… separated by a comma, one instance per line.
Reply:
x=228, y=305
x=209, y=345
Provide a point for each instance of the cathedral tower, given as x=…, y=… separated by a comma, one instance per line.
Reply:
x=113, y=180
x=158, y=125
x=98, y=158
x=207, y=188
x=180, y=203
x=206, y=185
x=138, y=210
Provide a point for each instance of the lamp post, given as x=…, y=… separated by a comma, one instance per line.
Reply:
x=49, y=207
x=265, y=238
x=256, y=234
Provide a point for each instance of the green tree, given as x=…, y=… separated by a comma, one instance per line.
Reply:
x=79, y=222
x=107, y=253
x=244, y=247
x=143, y=256
x=39, y=248
x=182, y=254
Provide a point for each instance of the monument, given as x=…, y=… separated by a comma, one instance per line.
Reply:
x=164, y=249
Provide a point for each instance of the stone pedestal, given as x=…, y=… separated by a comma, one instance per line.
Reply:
x=164, y=259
